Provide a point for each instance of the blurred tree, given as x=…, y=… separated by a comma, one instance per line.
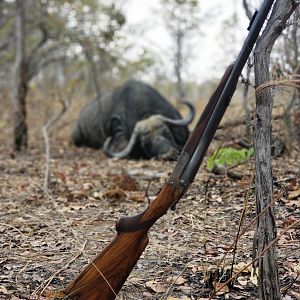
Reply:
x=96, y=30
x=229, y=33
x=6, y=38
x=20, y=86
x=291, y=45
x=287, y=62
x=182, y=19
x=247, y=9
x=32, y=52
x=83, y=38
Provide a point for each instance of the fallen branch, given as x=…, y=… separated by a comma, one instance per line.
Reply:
x=241, y=221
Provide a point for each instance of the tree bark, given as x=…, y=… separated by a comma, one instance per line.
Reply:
x=20, y=82
x=266, y=232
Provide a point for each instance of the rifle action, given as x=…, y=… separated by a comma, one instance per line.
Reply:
x=103, y=278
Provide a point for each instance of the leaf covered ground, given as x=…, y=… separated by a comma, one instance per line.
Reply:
x=47, y=239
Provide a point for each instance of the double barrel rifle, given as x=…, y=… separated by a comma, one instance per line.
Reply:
x=103, y=278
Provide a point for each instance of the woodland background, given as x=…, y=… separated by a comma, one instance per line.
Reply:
x=55, y=56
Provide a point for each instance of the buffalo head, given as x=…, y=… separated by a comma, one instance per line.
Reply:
x=151, y=137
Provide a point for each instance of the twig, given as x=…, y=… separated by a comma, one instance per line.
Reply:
x=248, y=226
x=242, y=218
x=254, y=260
x=8, y=225
x=105, y=279
x=286, y=288
x=206, y=189
x=253, y=186
x=248, y=10
x=174, y=281
x=48, y=281
x=21, y=271
x=205, y=213
x=46, y=128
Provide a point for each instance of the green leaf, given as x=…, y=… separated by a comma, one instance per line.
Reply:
x=228, y=157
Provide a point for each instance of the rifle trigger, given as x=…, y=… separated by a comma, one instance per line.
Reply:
x=252, y=20
x=173, y=207
x=184, y=186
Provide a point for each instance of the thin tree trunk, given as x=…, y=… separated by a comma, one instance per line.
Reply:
x=266, y=232
x=178, y=67
x=20, y=82
x=247, y=9
x=292, y=111
x=1, y=12
x=95, y=73
x=287, y=116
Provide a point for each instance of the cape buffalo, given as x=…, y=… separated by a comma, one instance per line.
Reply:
x=134, y=121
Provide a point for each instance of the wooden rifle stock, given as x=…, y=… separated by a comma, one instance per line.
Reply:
x=104, y=277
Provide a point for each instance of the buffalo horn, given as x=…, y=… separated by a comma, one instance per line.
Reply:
x=125, y=152
x=181, y=122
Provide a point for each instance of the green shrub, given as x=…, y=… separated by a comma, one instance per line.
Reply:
x=228, y=157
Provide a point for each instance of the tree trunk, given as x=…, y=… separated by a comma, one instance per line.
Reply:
x=178, y=67
x=1, y=12
x=266, y=232
x=292, y=59
x=20, y=82
x=94, y=71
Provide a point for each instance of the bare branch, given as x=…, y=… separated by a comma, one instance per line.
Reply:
x=248, y=11
x=65, y=104
x=41, y=43
x=52, y=54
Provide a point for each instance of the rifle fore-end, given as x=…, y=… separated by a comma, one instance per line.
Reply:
x=103, y=278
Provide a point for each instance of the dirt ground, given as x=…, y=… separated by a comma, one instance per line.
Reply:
x=46, y=240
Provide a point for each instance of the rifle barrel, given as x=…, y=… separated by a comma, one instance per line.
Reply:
x=193, y=164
